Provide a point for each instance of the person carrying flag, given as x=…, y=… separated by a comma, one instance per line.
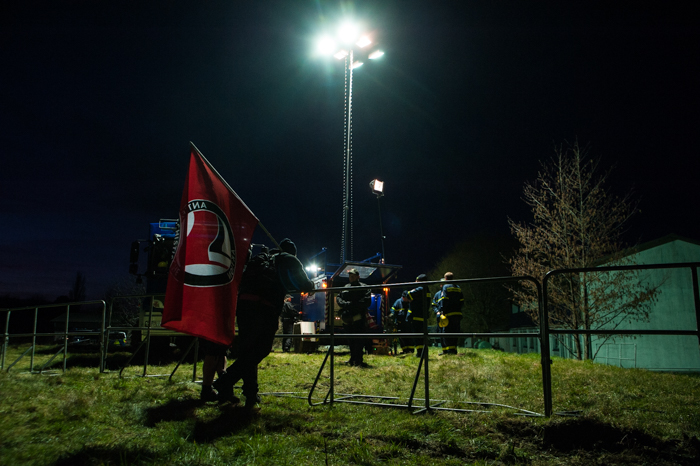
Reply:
x=207, y=283
x=268, y=277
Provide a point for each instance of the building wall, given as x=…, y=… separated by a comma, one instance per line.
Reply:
x=558, y=344
x=675, y=310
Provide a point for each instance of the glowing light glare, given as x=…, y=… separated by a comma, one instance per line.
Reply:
x=312, y=268
x=376, y=54
x=363, y=42
x=357, y=64
x=326, y=46
x=347, y=33
x=341, y=54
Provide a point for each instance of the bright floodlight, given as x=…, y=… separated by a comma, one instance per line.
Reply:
x=348, y=33
x=377, y=187
x=363, y=42
x=376, y=54
x=341, y=54
x=326, y=46
x=357, y=64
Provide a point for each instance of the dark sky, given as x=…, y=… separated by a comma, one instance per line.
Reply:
x=99, y=100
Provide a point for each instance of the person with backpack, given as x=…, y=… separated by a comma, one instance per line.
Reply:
x=267, y=278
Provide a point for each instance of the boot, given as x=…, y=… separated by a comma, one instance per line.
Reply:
x=225, y=390
x=252, y=401
x=208, y=394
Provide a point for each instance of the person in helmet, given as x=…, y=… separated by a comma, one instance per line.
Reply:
x=451, y=302
x=419, y=304
x=398, y=318
x=353, y=304
x=436, y=306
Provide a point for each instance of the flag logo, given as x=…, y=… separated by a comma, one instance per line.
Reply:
x=203, y=280
x=211, y=249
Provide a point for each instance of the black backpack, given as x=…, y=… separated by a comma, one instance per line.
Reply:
x=260, y=275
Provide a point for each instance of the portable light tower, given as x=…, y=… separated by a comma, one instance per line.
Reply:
x=350, y=41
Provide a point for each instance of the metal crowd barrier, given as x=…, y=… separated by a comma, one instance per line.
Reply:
x=331, y=397
x=146, y=341
x=63, y=335
x=546, y=331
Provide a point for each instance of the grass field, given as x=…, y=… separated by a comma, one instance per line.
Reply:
x=614, y=416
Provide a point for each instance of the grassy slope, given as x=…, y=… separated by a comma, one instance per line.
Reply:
x=83, y=417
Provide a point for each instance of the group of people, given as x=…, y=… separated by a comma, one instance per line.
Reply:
x=409, y=314
x=263, y=298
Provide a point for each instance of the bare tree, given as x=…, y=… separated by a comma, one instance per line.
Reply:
x=125, y=310
x=77, y=291
x=577, y=223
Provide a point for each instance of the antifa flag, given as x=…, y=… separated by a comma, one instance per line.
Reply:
x=216, y=228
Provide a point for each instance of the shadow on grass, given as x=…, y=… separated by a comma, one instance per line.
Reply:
x=231, y=419
x=174, y=410
x=234, y=418
x=590, y=436
x=118, y=455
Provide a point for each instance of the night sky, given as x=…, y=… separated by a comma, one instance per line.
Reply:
x=99, y=101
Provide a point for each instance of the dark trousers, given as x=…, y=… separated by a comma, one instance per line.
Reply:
x=356, y=344
x=288, y=328
x=450, y=343
x=406, y=343
x=417, y=327
x=257, y=325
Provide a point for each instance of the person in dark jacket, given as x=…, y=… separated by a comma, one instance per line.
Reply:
x=419, y=304
x=398, y=318
x=451, y=302
x=260, y=302
x=289, y=316
x=436, y=306
x=353, y=304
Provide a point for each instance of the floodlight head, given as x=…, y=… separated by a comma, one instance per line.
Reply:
x=376, y=54
x=377, y=187
x=363, y=42
x=340, y=54
x=347, y=33
x=326, y=46
x=357, y=64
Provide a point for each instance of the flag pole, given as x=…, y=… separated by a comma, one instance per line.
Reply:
x=221, y=178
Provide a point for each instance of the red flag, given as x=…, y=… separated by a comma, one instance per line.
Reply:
x=216, y=228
